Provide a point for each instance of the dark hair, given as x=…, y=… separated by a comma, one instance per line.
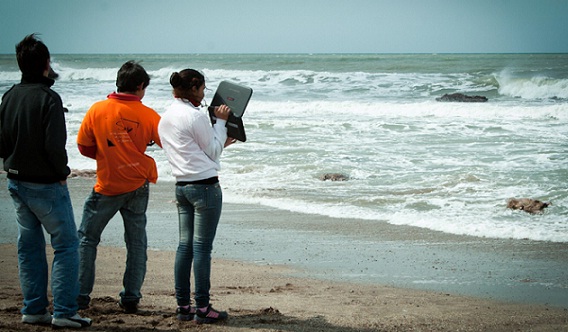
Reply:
x=184, y=81
x=130, y=76
x=32, y=55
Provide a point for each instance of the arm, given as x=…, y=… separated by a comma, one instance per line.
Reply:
x=86, y=143
x=210, y=140
x=3, y=150
x=56, y=136
x=155, y=135
x=213, y=141
x=88, y=151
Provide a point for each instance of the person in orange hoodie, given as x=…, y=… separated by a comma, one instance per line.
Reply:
x=116, y=132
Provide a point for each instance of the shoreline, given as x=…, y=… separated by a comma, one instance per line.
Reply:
x=275, y=270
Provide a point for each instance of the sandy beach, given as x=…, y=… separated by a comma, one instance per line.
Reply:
x=273, y=271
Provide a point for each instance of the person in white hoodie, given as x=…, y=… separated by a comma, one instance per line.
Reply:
x=193, y=147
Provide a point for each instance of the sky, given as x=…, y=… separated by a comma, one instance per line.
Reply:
x=288, y=26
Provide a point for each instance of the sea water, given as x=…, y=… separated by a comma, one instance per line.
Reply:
x=409, y=159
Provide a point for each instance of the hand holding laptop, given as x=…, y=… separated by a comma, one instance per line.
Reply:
x=222, y=112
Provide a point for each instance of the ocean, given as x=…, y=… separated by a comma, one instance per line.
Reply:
x=409, y=159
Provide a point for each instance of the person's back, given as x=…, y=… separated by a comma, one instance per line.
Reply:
x=121, y=127
x=33, y=132
x=116, y=132
x=32, y=144
x=193, y=148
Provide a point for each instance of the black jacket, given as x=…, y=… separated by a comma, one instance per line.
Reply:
x=33, y=133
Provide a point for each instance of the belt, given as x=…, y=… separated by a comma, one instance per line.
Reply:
x=212, y=180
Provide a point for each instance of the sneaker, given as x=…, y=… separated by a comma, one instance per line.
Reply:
x=129, y=307
x=37, y=319
x=185, y=314
x=209, y=315
x=75, y=322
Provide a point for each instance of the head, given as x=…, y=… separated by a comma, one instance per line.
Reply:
x=131, y=78
x=188, y=84
x=33, y=56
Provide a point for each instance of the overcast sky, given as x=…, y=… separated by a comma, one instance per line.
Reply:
x=288, y=26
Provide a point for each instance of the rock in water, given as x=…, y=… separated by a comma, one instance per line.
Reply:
x=334, y=177
x=460, y=97
x=527, y=204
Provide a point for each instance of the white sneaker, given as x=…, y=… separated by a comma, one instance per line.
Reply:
x=75, y=322
x=37, y=319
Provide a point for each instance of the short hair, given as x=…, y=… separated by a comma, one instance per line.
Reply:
x=130, y=76
x=32, y=55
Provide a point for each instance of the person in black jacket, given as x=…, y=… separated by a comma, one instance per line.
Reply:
x=32, y=146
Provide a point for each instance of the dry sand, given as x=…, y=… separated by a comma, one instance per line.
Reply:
x=263, y=298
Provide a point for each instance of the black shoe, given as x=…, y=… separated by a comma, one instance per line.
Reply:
x=83, y=302
x=129, y=307
x=83, y=306
x=185, y=314
x=210, y=316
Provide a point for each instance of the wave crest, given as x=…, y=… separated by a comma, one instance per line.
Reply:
x=535, y=87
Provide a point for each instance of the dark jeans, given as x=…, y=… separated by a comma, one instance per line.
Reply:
x=98, y=211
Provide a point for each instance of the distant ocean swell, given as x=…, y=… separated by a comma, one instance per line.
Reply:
x=408, y=86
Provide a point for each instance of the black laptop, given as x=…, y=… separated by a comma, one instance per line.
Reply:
x=236, y=97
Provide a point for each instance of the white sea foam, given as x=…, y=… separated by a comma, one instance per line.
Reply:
x=410, y=160
x=534, y=87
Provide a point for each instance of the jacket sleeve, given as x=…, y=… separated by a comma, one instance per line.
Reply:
x=210, y=139
x=3, y=148
x=155, y=135
x=3, y=152
x=88, y=151
x=56, y=136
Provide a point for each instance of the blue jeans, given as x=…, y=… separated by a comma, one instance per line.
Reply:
x=199, y=210
x=98, y=211
x=47, y=205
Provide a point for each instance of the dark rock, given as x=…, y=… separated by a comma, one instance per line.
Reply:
x=527, y=204
x=84, y=173
x=460, y=97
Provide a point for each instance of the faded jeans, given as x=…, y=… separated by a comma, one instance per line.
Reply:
x=47, y=205
x=98, y=211
x=199, y=210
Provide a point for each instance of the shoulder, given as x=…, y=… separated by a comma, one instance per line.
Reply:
x=151, y=114
x=174, y=113
x=97, y=107
x=149, y=110
x=52, y=94
x=100, y=103
x=138, y=106
x=46, y=96
x=8, y=92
